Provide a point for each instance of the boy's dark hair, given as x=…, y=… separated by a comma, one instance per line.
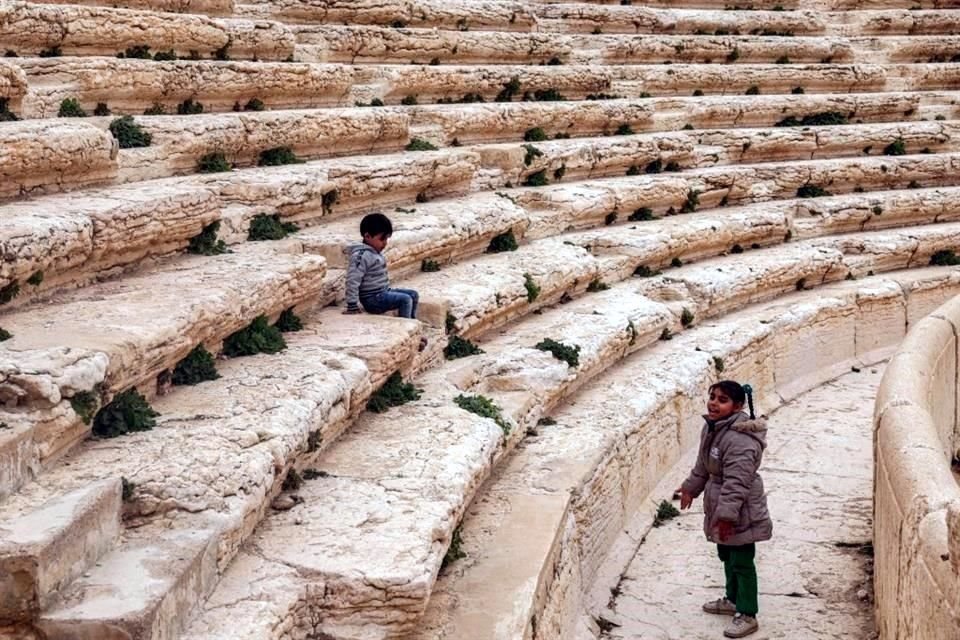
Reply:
x=376, y=224
x=740, y=394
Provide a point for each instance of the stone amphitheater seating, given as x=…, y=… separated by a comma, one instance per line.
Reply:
x=662, y=176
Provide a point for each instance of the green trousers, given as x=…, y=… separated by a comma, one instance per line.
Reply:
x=741, y=575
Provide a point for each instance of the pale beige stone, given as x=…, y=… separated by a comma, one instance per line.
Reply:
x=208, y=7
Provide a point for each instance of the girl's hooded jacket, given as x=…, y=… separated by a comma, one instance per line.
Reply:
x=726, y=472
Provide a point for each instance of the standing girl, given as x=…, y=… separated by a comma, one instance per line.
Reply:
x=735, y=506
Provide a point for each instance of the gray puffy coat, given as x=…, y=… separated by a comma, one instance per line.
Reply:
x=726, y=472
x=366, y=273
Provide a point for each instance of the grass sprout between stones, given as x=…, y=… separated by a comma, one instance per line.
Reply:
x=393, y=393
x=483, y=407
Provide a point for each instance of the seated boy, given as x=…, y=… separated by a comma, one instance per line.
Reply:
x=367, y=281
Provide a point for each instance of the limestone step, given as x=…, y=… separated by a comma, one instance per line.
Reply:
x=206, y=7
x=46, y=549
x=370, y=44
x=27, y=28
x=776, y=5
x=110, y=337
x=266, y=415
x=132, y=86
x=543, y=534
x=408, y=487
x=485, y=15
x=73, y=239
x=40, y=156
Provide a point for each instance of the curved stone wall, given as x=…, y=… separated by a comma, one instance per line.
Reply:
x=916, y=497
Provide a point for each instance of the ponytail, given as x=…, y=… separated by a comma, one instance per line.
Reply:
x=748, y=390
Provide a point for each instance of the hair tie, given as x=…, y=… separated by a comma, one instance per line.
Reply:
x=747, y=389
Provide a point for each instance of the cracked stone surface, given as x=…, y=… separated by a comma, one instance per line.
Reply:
x=818, y=472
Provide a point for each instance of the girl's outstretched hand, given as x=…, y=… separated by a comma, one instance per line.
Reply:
x=685, y=499
x=724, y=530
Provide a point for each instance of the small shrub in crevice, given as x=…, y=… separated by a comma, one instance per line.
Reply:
x=665, y=511
x=801, y=284
x=5, y=114
x=913, y=184
x=783, y=60
x=666, y=334
x=643, y=214
x=292, y=481
x=686, y=317
x=409, y=101
x=101, y=109
x=734, y=55
x=269, y=227
x=624, y=130
x=546, y=422
x=450, y=321
x=812, y=191
x=545, y=95
x=718, y=364
x=35, y=279
x=393, y=393
x=278, y=156
x=136, y=52
x=692, y=201
x=257, y=337
x=676, y=263
x=643, y=271
x=458, y=347
x=560, y=351
x=454, y=551
x=329, y=199
x=610, y=218
x=288, y=322
x=156, y=109
x=877, y=210
x=559, y=172
x=753, y=90
x=199, y=366
x=85, y=405
x=254, y=104
x=313, y=474
x=189, y=108
x=9, y=291
x=736, y=249
x=945, y=258
x=697, y=93
x=70, y=108
x=634, y=170
x=165, y=56
x=535, y=134
x=206, y=242
x=213, y=163
x=503, y=242
x=223, y=53
x=419, y=144
x=129, y=134
x=596, y=285
x=532, y=154
x=510, y=89
x=822, y=119
x=797, y=91
x=429, y=266
x=896, y=148
x=537, y=179
x=52, y=52
x=533, y=289
x=5, y=335
x=128, y=412
x=483, y=407
x=127, y=489
x=672, y=167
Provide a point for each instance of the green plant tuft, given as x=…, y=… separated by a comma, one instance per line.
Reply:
x=686, y=317
x=537, y=179
x=643, y=214
x=450, y=322
x=718, y=364
x=624, y=130
x=127, y=412
x=676, y=263
x=52, y=52
x=165, y=56
x=269, y=227
x=610, y=218
x=393, y=393
x=35, y=279
x=458, y=347
x=812, y=191
x=288, y=322
x=5, y=114
x=643, y=271
x=85, y=405
x=797, y=91
x=877, y=210
x=537, y=134
x=137, y=52
x=199, y=366
x=783, y=60
x=419, y=144
x=666, y=334
x=409, y=101
x=483, y=407
x=429, y=266
x=510, y=89
x=503, y=242
x=896, y=148
x=596, y=285
x=945, y=258
x=9, y=291
x=278, y=156
x=533, y=289
x=753, y=90
x=101, y=109
x=257, y=337
x=665, y=511
x=454, y=551
x=206, y=242
x=254, y=104
x=532, y=154
x=127, y=488
x=189, y=108
x=560, y=351
x=821, y=119
x=70, y=108
x=156, y=109
x=692, y=201
x=213, y=163
x=129, y=134
x=5, y=335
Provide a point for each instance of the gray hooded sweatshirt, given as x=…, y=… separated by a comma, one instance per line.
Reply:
x=366, y=273
x=726, y=472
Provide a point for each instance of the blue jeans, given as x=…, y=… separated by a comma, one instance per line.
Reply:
x=403, y=300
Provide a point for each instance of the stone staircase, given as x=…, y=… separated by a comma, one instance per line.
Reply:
x=603, y=205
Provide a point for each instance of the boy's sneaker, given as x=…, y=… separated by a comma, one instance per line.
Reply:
x=721, y=606
x=741, y=626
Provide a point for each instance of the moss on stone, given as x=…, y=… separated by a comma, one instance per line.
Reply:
x=257, y=337
x=128, y=412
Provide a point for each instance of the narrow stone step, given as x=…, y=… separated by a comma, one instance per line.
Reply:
x=109, y=337
x=206, y=7
x=28, y=28
x=73, y=239
x=44, y=157
x=576, y=498
x=46, y=549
